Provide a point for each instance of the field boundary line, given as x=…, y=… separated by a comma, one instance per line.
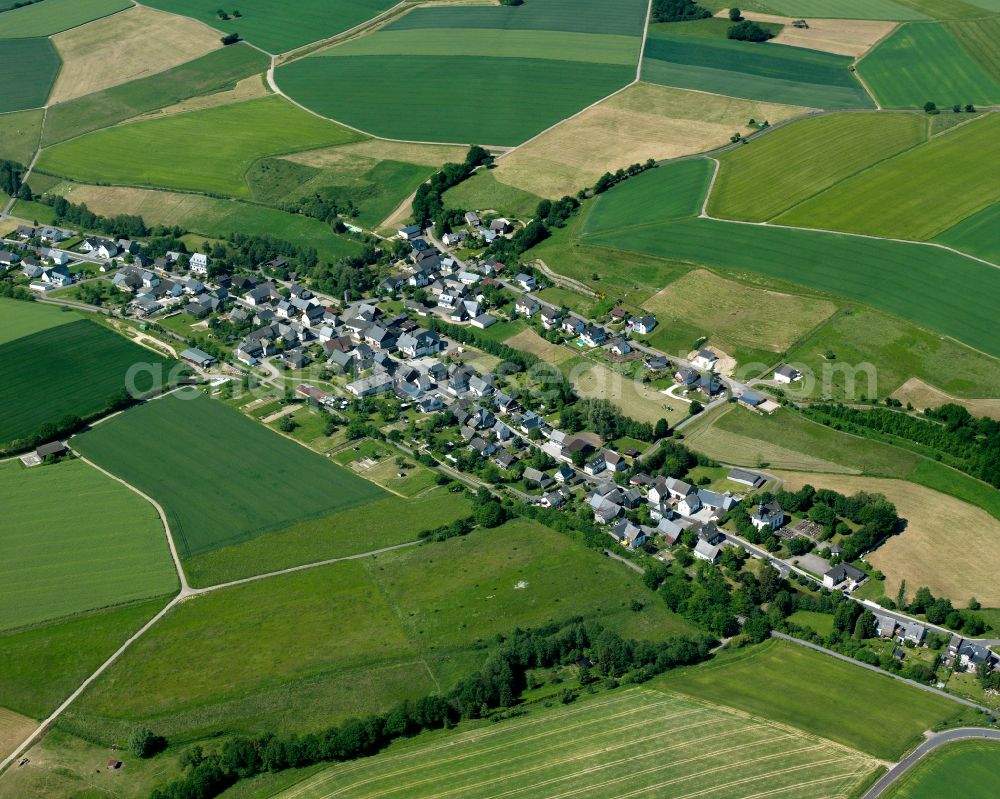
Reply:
x=642, y=46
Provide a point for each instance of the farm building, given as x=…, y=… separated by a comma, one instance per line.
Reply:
x=198, y=358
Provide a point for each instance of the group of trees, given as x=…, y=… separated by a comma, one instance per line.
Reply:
x=11, y=173
x=678, y=11
x=602, y=417
x=749, y=31
x=939, y=610
x=428, y=202
x=128, y=226
x=607, y=180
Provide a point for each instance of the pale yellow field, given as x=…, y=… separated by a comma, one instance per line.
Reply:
x=923, y=395
x=529, y=341
x=636, y=400
x=949, y=546
x=247, y=89
x=14, y=728
x=380, y=150
x=842, y=36
x=156, y=207
x=737, y=314
x=643, y=121
x=132, y=44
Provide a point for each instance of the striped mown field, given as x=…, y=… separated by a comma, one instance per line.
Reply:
x=632, y=743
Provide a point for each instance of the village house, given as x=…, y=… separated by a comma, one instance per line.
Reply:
x=527, y=306
x=525, y=281
x=844, y=574
x=642, y=325
x=627, y=534
x=786, y=374
x=705, y=360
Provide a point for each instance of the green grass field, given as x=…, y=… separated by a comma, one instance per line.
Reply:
x=18, y=319
x=816, y=693
x=53, y=16
x=886, y=199
x=44, y=664
x=977, y=235
x=208, y=151
x=192, y=442
x=980, y=40
x=211, y=73
x=29, y=68
x=70, y=369
x=75, y=540
x=791, y=75
x=822, y=623
x=271, y=27
x=674, y=191
x=845, y=9
x=19, y=135
x=785, y=167
x=483, y=191
x=630, y=743
x=921, y=63
x=965, y=768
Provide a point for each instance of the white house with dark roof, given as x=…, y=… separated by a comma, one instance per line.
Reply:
x=769, y=515
x=785, y=374
x=705, y=360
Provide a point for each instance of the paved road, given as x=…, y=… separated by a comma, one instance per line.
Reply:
x=933, y=742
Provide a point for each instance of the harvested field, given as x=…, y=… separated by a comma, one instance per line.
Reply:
x=379, y=150
x=529, y=341
x=923, y=395
x=948, y=545
x=14, y=728
x=134, y=44
x=853, y=37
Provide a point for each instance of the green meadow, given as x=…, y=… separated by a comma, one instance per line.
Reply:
x=19, y=135
x=977, y=235
x=791, y=75
x=29, y=68
x=191, y=441
x=981, y=39
x=53, y=16
x=19, y=318
x=483, y=190
x=208, y=151
x=923, y=62
x=964, y=768
x=846, y=9
x=75, y=540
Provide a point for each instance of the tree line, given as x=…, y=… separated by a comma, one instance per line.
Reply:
x=11, y=174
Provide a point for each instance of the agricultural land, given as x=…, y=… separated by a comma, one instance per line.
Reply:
x=965, y=766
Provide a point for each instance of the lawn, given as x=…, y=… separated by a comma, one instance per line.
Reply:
x=886, y=199
x=822, y=623
x=977, y=235
x=211, y=73
x=845, y=9
x=964, y=768
x=46, y=663
x=907, y=275
x=269, y=25
x=790, y=75
x=787, y=166
x=208, y=151
x=483, y=192
x=77, y=369
x=53, y=16
x=29, y=68
x=192, y=442
x=816, y=693
x=18, y=319
x=75, y=540
x=628, y=743
x=19, y=135
x=923, y=62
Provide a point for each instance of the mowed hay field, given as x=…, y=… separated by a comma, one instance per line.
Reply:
x=732, y=315
x=791, y=164
x=208, y=151
x=191, y=442
x=53, y=16
x=643, y=121
x=948, y=545
x=29, y=68
x=964, y=768
x=133, y=44
x=788, y=75
x=75, y=540
x=14, y=728
x=72, y=369
x=270, y=26
x=838, y=701
x=19, y=134
x=962, y=165
x=634, y=398
x=852, y=37
x=629, y=743
x=508, y=73
x=924, y=62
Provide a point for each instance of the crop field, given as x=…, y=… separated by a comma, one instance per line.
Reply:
x=44, y=664
x=674, y=191
x=948, y=545
x=977, y=235
x=789, y=75
x=207, y=151
x=509, y=73
x=789, y=165
x=644, y=121
x=793, y=685
x=732, y=315
x=210, y=216
x=53, y=16
x=269, y=25
x=70, y=369
x=193, y=441
x=211, y=73
x=19, y=135
x=908, y=275
x=966, y=768
x=29, y=68
x=846, y=9
x=921, y=63
x=18, y=319
x=979, y=38
x=886, y=200
x=100, y=545
x=121, y=48
x=632, y=742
